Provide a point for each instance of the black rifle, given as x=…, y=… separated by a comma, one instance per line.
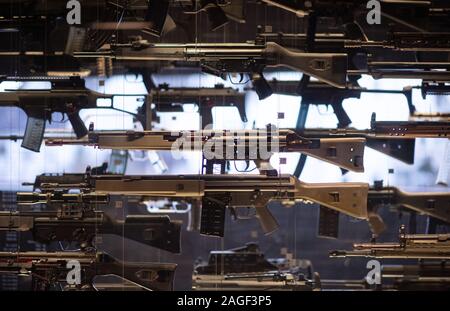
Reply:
x=250, y=259
x=395, y=41
x=318, y=93
x=347, y=11
x=50, y=269
x=168, y=99
x=70, y=179
x=219, y=12
x=74, y=218
x=67, y=96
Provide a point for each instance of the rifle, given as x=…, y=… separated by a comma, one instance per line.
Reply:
x=346, y=11
x=99, y=15
x=44, y=181
x=251, y=260
x=153, y=15
x=433, y=116
x=217, y=192
x=73, y=218
x=67, y=96
x=219, y=12
x=395, y=41
x=246, y=268
x=421, y=270
x=168, y=99
x=436, y=205
x=393, y=138
x=222, y=58
x=257, y=145
x=424, y=276
x=437, y=71
x=48, y=269
x=275, y=280
x=317, y=93
x=415, y=246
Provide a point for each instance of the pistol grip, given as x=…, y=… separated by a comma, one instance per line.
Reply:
x=261, y=86
x=205, y=115
x=78, y=125
x=342, y=116
x=268, y=223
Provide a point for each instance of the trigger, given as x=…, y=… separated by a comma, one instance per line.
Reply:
x=242, y=77
x=62, y=117
x=247, y=165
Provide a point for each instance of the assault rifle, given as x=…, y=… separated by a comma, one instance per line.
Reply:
x=219, y=12
x=271, y=281
x=223, y=58
x=347, y=11
x=70, y=180
x=168, y=99
x=74, y=218
x=423, y=276
x=246, y=145
x=67, y=96
x=438, y=117
x=245, y=268
x=251, y=259
x=394, y=138
x=50, y=269
x=435, y=205
x=318, y=93
x=435, y=71
x=402, y=55
x=153, y=15
x=217, y=192
x=339, y=42
x=418, y=246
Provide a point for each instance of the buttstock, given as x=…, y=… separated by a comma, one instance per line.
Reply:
x=330, y=68
x=347, y=153
x=400, y=149
x=346, y=198
x=155, y=231
x=433, y=204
